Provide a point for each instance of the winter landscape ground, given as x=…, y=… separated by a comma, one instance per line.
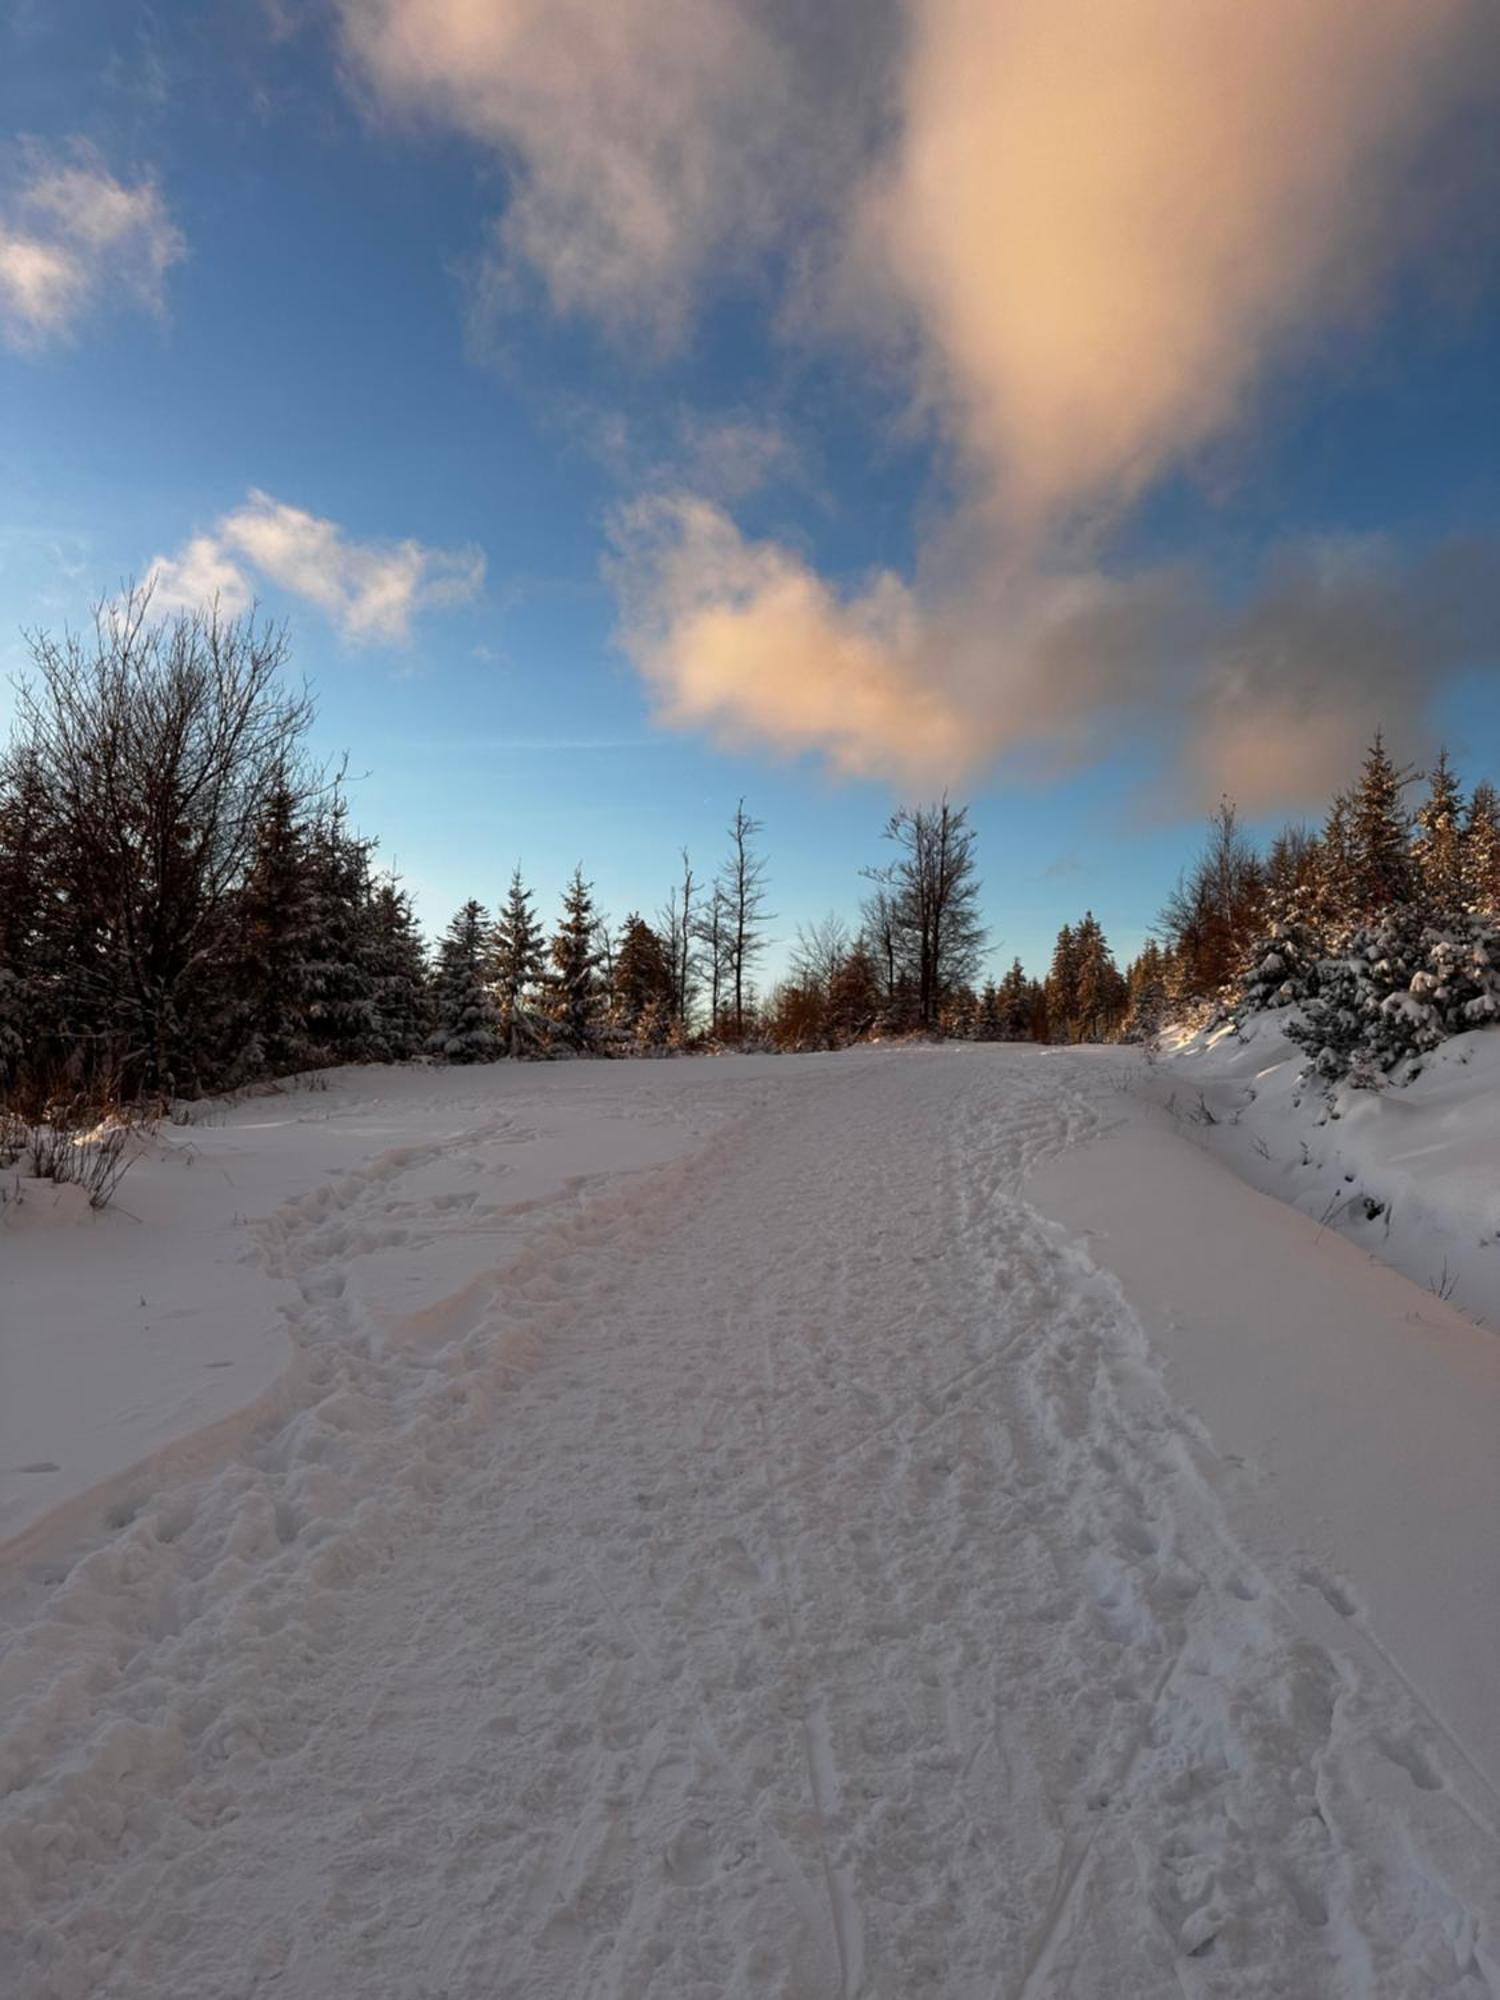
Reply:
x=759, y=1525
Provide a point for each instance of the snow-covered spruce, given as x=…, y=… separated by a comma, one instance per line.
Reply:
x=1398, y=989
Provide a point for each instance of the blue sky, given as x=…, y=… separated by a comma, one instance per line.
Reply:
x=626, y=419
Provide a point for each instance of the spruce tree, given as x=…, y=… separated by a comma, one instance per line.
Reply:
x=519, y=963
x=1101, y=990
x=575, y=994
x=397, y=965
x=274, y=948
x=340, y=989
x=1379, y=835
x=1062, y=988
x=1481, y=852
x=1017, y=1003
x=642, y=984
x=1438, y=848
x=467, y=1023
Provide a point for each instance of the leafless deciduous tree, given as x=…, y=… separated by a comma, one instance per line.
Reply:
x=160, y=743
x=927, y=903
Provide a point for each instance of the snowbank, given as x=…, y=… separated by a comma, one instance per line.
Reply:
x=1411, y=1174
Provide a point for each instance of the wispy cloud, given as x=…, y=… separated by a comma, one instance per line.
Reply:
x=74, y=241
x=370, y=590
x=651, y=145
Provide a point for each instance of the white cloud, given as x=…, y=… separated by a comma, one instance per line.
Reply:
x=370, y=590
x=201, y=573
x=75, y=241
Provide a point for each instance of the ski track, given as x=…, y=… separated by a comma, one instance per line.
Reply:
x=780, y=1572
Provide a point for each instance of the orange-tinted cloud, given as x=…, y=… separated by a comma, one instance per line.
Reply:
x=1108, y=218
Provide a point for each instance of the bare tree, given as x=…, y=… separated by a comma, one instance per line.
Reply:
x=742, y=881
x=678, y=929
x=931, y=907
x=161, y=744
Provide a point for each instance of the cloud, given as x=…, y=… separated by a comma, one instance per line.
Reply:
x=922, y=686
x=1109, y=218
x=370, y=590
x=200, y=573
x=1103, y=225
x=650, y=143
x=1089, y=234
x=73, y=241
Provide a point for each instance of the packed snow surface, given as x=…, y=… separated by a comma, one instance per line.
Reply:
x=706, y=1531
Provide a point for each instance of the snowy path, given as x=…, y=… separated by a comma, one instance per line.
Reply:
x=779, y=1571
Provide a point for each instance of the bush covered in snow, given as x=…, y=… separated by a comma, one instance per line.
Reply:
x=1398, y=989
x=1283, y=969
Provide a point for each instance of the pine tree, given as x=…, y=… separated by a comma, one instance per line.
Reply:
x=397, y=966
x=990, y=1026
x=1481, y=852
x=1062, y=988
x=575, y=991
x=1017, y=1004
x=1379, y=835
x=467, y=1023
x=519, y=963
x=339, y=985
x=1438, y=848
x=275, y=922
x=1101, y=990
x=1335, y=896
x=642, y=987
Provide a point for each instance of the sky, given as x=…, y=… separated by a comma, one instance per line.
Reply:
x=1090, y=407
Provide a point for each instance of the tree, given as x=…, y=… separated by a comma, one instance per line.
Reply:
x=930, y=907
x=1062, y=987
x=1438, y=850
x=1214, y=914
x=397, y=966
x=467, y=1023
x=679, y=934
x=1382, y=873
x=1016, y=1005
x=1101, y=990
x=159, y=744
x=518, y=963
x=1146, y=995
x=1481, y=852
x=274, y=920
x=854, y=993
x=742, y=889
x=337, y=973
x=575, y=989
x=28, y=996
x=713, y=932
x=643, y=984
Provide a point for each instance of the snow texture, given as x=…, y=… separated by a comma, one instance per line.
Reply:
x=714, y=1536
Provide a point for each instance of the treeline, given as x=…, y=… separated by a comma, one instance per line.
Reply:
x=185, y=907
x=1381, y=926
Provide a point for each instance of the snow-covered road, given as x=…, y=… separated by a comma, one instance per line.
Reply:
x=771, y=1565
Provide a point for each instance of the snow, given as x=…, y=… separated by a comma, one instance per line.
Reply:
x=716, y=1535
x=1410, y=1173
